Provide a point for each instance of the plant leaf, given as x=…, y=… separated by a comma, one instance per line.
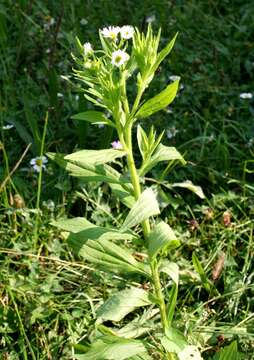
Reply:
x=199, y=269
x=85, y=158
x=163, y=153
x=161, y=239
x=107, y=255
x=158, y=102
x=122, y=303
x=114, y=348
x=190, y=186
x=123, y=194
x=164, y=52
x=142, y=142
x=88, y=171
x=144, y=207
x=93, y=117
x=230, y=352
x=171, y=269
x=174, y=341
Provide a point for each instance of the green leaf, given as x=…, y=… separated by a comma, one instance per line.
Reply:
x=230, y=352
x=144, y=207
x=171, y=269
x=122, y=303
x=199, y=269
x=107, y=255
x=161, y=239
x=85, y=230
x=142, y=142
x=163, y=153
x=88, y=171
x=94, y=117
x=123, y=195
x=174, y=341
x=158, y=102
x=114, y=348
x=164, y=52
x=86, y=158
x=190, y=186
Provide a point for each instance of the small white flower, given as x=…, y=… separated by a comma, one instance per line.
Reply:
x=83, y=22
x=150, y=19
x=190, y=352
x=170, y=133
x=111, y=32
x=77, y=97
x=87, y=48
x=59, y=95
x=119, y=57
x=127, y=32
x=8, y=127
x=174, y=77
x=246, y=96
x=116, y=145
x=51, y=21
x=38, y=163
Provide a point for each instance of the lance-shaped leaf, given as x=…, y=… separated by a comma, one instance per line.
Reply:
x=190, y=186
x=107, y=255
x=122, y=303
x=164, y=52
x=158, y=102
x=97, y=157
x=230, y=352
x=89, y=171
x=161, y=239
x=163, y=153
x=145, y=207
x=85, y=230
x=115, y=348
x=93, y=117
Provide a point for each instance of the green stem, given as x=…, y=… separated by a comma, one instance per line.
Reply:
x=159, y=294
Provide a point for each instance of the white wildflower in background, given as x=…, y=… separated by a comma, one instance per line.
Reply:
x=110, y=32
x=38, y=163
x=116, y=145
x=127, y=32
x=119, y=57
x=83, y=22
x=87, y=48
x=170, y=133
x=174, y=77
x=150, y=19
x=8, y=127
x=190, y=352
x=59, y=95
x=246, y=96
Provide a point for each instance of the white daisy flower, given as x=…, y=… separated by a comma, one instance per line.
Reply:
x=8, y=127
x=87, y=48
x=119, y=57
x=190, y=352
x=38, y=163
x=127, y=32
x=110, y=32
x=246, y=96
x=174, y=77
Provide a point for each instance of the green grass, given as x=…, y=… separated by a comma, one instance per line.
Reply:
x=48, y=297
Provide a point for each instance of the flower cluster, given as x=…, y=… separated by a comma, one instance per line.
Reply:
x=112, y=32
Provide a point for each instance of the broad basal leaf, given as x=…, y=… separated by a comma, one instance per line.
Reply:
x=163, y=153
x=158, y=102
x=93, y=117
x=161, y=239
x=114, y=348
x=122, y=303
x=144, y=207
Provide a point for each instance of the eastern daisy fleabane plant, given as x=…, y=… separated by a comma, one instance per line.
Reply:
x=110, y=32
x=38, y=163
x=127, y=32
